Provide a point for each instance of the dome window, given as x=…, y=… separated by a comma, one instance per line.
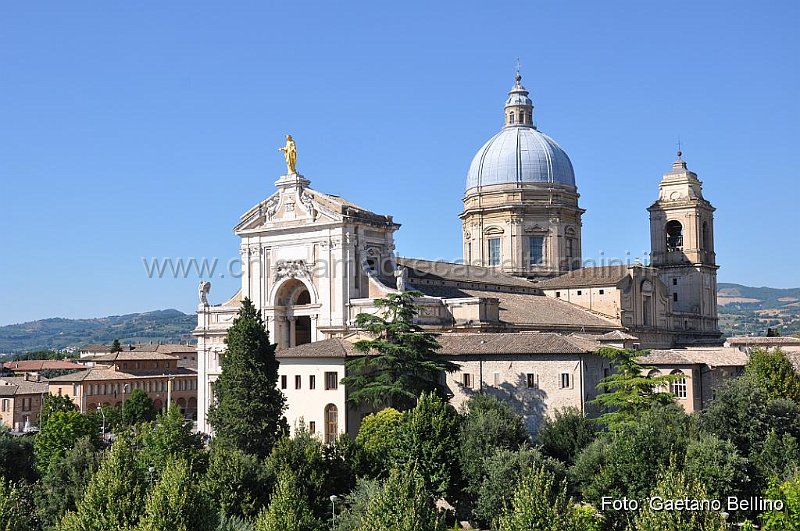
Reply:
x=511, y=117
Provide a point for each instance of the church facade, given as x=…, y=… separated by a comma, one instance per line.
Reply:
x=520, y=312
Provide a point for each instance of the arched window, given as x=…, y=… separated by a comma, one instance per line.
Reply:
x=678, y=387
x=706, y=239
x=511, y=117
x=674, y=231
x=331, y=423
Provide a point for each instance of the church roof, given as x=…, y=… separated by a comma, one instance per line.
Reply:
x=587, y=277
x=711, y=356
x=531, y=311
x=454, y=344
x=520, y=154
x=430, y=270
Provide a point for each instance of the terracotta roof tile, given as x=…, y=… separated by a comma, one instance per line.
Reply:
x=20, y=386
x=587, y=277
x=711, y=356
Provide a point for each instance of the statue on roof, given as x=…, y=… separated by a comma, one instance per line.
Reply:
x=205, y=287
x=402, y=278
x=290, y=154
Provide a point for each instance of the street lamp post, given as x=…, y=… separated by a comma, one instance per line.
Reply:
x=100, y=410
x=334, y=498
x=124, y=400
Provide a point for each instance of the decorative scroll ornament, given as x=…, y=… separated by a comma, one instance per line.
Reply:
x=292, y=269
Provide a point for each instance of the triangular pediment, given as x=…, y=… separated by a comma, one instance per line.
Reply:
x=286, y=208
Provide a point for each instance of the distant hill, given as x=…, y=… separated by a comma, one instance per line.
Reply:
x=167, y=326
x=748, y=310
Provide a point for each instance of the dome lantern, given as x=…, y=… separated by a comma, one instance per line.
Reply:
x=520, y=153
x=519, y=107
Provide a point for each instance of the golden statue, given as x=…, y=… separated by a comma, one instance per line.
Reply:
x=290, y=154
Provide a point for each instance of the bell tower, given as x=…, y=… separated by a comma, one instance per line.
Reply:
x=682, y=249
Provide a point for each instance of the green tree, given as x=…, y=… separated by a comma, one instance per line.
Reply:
x=114, y=496
x=629, y=390
x=429, y=437
x=62, y=487
x=137, y=408
x=58, y=434
x=738, y=413
x=376, y=439
x=16, y=510
x=779, y=457
x=170, y=437
x=16, y=459
x=115, y=346
x=236, y=481
x=248, y=412
x=400, y=363
x=488, y=424
x=621, y=463
x=53, y=403
x=503, y=472
x=675, y=485
x=774, y=373
x=402, y=504
x=288, y=509
x=787, y=519
x=302, y=456
x=542, y=504
x=564, y=436
x=717, y=464
x=176, y=504
x=350, y=513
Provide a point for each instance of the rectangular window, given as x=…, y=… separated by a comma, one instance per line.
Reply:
x=566, y=380
x=312, y=427
x=530, y=379
x=298, y=381
x=675, y=297
x=312, y=382
x=579, y=292
x=497, y=378
x=558, y=294
x=467, y=380
x=674, y=281
x=494, y=251
x=5, y=405
x=536, y=250
x=678, y=388
x=283, y=381
x=331, y=381
x=570, y=247
x=469, y=253
x=26, y=404
x=601, y=292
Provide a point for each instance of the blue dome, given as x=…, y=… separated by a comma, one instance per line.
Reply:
x=520, y=154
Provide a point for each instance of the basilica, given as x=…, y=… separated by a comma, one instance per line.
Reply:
x=520, y=314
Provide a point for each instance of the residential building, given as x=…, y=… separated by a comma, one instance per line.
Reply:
x=21, y=401
x=115, y=376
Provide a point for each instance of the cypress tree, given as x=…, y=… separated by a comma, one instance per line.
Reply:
x=248, y=412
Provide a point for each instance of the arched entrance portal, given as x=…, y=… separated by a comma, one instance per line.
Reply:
x=294, y=327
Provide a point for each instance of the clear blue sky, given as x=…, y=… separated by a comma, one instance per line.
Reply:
x=133, y=129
